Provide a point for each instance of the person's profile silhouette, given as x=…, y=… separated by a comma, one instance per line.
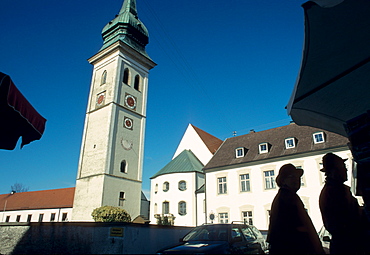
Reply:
x=340, y=211
x=291, y=230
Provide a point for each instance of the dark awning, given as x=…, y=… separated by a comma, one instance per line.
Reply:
x=18, y=117
x=333, y=83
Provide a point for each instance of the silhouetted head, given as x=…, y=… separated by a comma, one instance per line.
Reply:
x=334, y=167
x=289, y=177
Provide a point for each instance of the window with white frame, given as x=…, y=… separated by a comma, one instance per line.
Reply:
x=166, y=207
x=240, y=152
x=166, y=186
x=289, y=143
x=222, y=185
x=244, y=183
x=247, y=217
x=182, y=207
x=156, y=188
x=318, y=137
x=223, y=217
x=182, y=185
x=269, y=179
x=121, y=199
x=263, y=148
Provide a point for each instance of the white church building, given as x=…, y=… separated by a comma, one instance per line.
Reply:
x=177, y=190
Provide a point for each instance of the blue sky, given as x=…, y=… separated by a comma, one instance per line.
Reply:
x=223, y=66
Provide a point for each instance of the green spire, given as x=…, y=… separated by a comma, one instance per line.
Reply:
x=129, y=6
x=126, y=27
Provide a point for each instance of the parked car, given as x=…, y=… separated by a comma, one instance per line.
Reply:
x=234, y=238
x=325, y=238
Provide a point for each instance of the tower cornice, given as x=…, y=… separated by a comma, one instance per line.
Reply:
x=123, y=47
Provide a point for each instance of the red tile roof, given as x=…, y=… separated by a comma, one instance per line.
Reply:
x=43, y=199
x=212, y=142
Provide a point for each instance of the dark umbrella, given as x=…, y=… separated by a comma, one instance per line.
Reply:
x=333, y=84
x=18, y=117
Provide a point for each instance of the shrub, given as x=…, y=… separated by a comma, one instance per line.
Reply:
x=165, y=220
x=110, y=214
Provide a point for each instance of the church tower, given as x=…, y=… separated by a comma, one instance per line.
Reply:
x=112, y=150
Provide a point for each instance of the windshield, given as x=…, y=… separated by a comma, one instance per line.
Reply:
x=208, y=233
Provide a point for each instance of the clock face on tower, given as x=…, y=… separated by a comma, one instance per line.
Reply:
x=100, y=99
x=126, y=144
x=127, y=123
x=130, y=101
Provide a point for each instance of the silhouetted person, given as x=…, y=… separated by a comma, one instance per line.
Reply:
x=341, y=214
x=291, y=230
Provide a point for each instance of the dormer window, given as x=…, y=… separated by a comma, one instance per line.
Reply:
x=240, y=152
x=318, y=137
x=290, y=143
x=263, y=148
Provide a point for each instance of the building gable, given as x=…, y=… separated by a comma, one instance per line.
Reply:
x=201, y=143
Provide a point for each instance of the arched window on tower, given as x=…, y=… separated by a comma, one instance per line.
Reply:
x=103, y=78
x=126, y=76
x=137, y=82
x=123, y=166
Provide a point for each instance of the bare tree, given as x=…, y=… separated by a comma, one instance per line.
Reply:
x=18, y=187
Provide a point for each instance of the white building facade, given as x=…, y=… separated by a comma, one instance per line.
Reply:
x=239, y=179
x=245, y=193
x=177, y=190
x=37, y=206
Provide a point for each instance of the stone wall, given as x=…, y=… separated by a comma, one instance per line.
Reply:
x=86, y=238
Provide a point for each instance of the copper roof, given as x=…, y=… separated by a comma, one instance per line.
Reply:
x=185, y=162
x=225, y=156
x=212, y=142
x=43, y=199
